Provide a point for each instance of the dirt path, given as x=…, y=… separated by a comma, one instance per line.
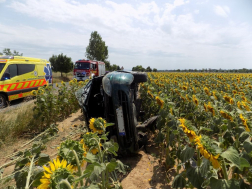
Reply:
x=145, y=171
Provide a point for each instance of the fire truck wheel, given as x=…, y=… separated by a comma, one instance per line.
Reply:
x=139, y=77
x=3, y=101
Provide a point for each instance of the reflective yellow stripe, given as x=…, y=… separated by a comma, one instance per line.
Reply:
x=13, y=97
x=5, y=87
x=26, y=84
x=20, y=85
x=12, y=86
x=37, y=82
x=26, y=94
x=41, y=82
x=32, y=83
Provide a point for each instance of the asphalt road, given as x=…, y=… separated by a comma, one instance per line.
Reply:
x=16, y=103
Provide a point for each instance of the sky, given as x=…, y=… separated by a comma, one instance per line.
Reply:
x=162, y=34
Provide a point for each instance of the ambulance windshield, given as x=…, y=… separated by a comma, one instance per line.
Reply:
x=82, y=65
x=1, y=66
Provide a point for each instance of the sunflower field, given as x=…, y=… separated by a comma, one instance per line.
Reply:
x=204, y=127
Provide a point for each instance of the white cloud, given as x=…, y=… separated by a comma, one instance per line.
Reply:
x=196, y=12
x=2, y=1
x=222, y=10
x=144, y=31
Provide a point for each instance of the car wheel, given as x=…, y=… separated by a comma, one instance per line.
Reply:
x=139, y=77
x=3, y=101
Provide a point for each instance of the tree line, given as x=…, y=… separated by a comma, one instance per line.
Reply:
x=140, y=68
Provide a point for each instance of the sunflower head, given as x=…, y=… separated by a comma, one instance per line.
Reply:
x=97, y=125
x=149, y=93
x=55, y=172
x=160, y=102
x=89, y=142
x=63, y=83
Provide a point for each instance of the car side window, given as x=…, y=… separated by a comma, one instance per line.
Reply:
x=12, y=70
x=25, y=68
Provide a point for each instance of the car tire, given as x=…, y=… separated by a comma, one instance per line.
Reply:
x=3, y=101
x=139, y=77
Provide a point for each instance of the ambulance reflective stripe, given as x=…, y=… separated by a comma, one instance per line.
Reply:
x=11, y=87
x=26, y=84
x=22, y=85
x=32, y=83
x=41, y=82
x=37, y=82
x=21, y=95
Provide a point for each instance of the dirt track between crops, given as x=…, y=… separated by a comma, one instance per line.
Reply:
x=144, y=173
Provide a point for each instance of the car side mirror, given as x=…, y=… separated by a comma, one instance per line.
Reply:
x=6, y=76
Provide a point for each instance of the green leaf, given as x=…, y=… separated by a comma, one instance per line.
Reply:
x=111, y=146
x=244, y=163
x=186, y=153
x=205, y=129
x=205, y=165
x=98, y=169
x=243, y=136
x=179, y=182
x=43, y=159
x=121, y=167
x=232, y=155
x=37, y=175
x=195, y=177
x=91, y=158
x=247, y=146
x=20, y=178
x=223, y=184
x=111, y=165
x=110, y=124
x=89, y=170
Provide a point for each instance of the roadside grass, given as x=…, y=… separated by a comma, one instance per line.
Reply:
x=15, y=122
x=65, y=77
x=34, y=116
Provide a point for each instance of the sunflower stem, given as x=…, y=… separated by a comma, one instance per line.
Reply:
x=78, y=165
x=224, y=170
x=66, y=183
x=198, y=158
x=29, y=174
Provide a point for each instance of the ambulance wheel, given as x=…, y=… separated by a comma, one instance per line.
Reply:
x=3, y=101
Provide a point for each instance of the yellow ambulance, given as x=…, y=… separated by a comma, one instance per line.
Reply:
x=20, y=75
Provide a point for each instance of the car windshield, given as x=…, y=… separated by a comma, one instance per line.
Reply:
x=1, y=66
x=82, y=65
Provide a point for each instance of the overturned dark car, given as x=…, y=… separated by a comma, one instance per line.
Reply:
x=115, y=98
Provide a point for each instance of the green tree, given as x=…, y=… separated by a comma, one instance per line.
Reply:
x=61, y=63
x=7, y=51
x=148, y=69
x=107, y=65
x=154, y=69
x=113, y=67
x=138, y=68
x=97, y=49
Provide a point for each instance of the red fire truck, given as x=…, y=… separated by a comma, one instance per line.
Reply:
x=83, y=69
